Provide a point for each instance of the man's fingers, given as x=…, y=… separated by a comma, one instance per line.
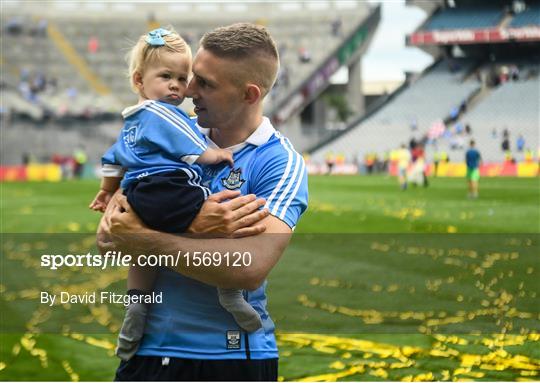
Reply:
x=123, y=203
x=250, y=218
x=105, y=246
x=248, y=208
x=249, y=231
x=239, y=202
x=249, y=221
x=224, y=195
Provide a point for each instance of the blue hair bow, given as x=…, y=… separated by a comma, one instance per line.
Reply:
x=155, y=37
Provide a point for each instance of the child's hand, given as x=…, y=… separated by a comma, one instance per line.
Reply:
x=101, y=200
x=215, y=156
x=227, y=156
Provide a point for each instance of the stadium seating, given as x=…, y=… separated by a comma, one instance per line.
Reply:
x=507, y=107
x=429, y=99
x=464, y=18
x=531, y=16
x=311, y=30
x=292, y=29
x=71, y=94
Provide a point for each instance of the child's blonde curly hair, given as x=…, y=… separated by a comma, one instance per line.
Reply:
x=144, y=54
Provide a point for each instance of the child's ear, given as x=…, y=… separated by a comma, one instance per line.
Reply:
x=137, y=80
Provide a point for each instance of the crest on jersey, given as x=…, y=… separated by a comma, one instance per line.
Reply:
x=233, y=339
x=130, y=136
x=234, y=179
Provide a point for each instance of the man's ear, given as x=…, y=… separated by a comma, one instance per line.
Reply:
x=252, y=93
x=137, y=80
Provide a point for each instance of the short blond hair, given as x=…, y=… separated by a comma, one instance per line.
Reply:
x=143, y=54
x=250, y=44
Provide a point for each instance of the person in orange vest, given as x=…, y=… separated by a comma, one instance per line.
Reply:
x=330, y=162
x=370, y=162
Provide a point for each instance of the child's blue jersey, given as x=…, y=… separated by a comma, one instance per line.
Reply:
x=156, y=138
x=190, y=323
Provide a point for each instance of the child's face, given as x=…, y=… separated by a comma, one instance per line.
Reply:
x=167, y=79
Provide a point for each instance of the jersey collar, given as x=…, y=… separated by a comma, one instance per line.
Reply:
x=260, y=136
x=135, y=108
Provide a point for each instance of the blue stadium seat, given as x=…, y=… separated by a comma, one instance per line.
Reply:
x=465, y=18
x=530, y=17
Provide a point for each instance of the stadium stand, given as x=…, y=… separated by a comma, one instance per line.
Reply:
x=468, y=18
x=31, y=56
x=490, y=92
x=64, y=56
x=310, y=31
x=512, y=106
x=426, y=101
x=531, y=16
x=295, y=28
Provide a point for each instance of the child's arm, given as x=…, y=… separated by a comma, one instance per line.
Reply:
x=108, y=186
x=215, y=156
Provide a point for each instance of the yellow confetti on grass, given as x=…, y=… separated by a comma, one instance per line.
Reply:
x=333, y=377
x=471, y=366
x=28, y=342
x=379, y=373
x=337, y=365
x=74, y=377
x=101, y=343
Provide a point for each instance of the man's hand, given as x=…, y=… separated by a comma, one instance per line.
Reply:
x=118, y=224
x=238, y=217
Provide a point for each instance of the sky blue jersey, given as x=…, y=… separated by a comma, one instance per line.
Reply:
x=190, y=323
x=156, y=138
x=472, y=158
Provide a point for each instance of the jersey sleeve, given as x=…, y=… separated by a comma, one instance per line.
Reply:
x=282, y=181
x=172, y=133
x=110, y=167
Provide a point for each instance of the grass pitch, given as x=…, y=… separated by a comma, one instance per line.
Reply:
x=377, y=284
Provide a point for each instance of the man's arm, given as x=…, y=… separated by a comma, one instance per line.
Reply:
x=265, y=249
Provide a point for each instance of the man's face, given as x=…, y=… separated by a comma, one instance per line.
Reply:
x=218, y=100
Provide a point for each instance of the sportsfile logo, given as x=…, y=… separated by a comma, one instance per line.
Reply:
x=233, y=340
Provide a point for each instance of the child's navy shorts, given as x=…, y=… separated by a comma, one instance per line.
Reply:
x=167, y=201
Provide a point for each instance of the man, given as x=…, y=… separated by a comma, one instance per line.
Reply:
x=404, y=160
x=190, y=336
x=473, y=159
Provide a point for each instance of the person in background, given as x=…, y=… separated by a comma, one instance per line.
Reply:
x=473, y=160
x=520, y=143
x=404, y=160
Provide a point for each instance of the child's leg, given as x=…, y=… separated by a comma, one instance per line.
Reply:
x=140, y=282
x=141, y=278
x=244, y=314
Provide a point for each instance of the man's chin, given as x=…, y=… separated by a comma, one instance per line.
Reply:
x=201, y=119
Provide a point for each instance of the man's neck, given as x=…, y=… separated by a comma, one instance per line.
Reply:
x=228, y=136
